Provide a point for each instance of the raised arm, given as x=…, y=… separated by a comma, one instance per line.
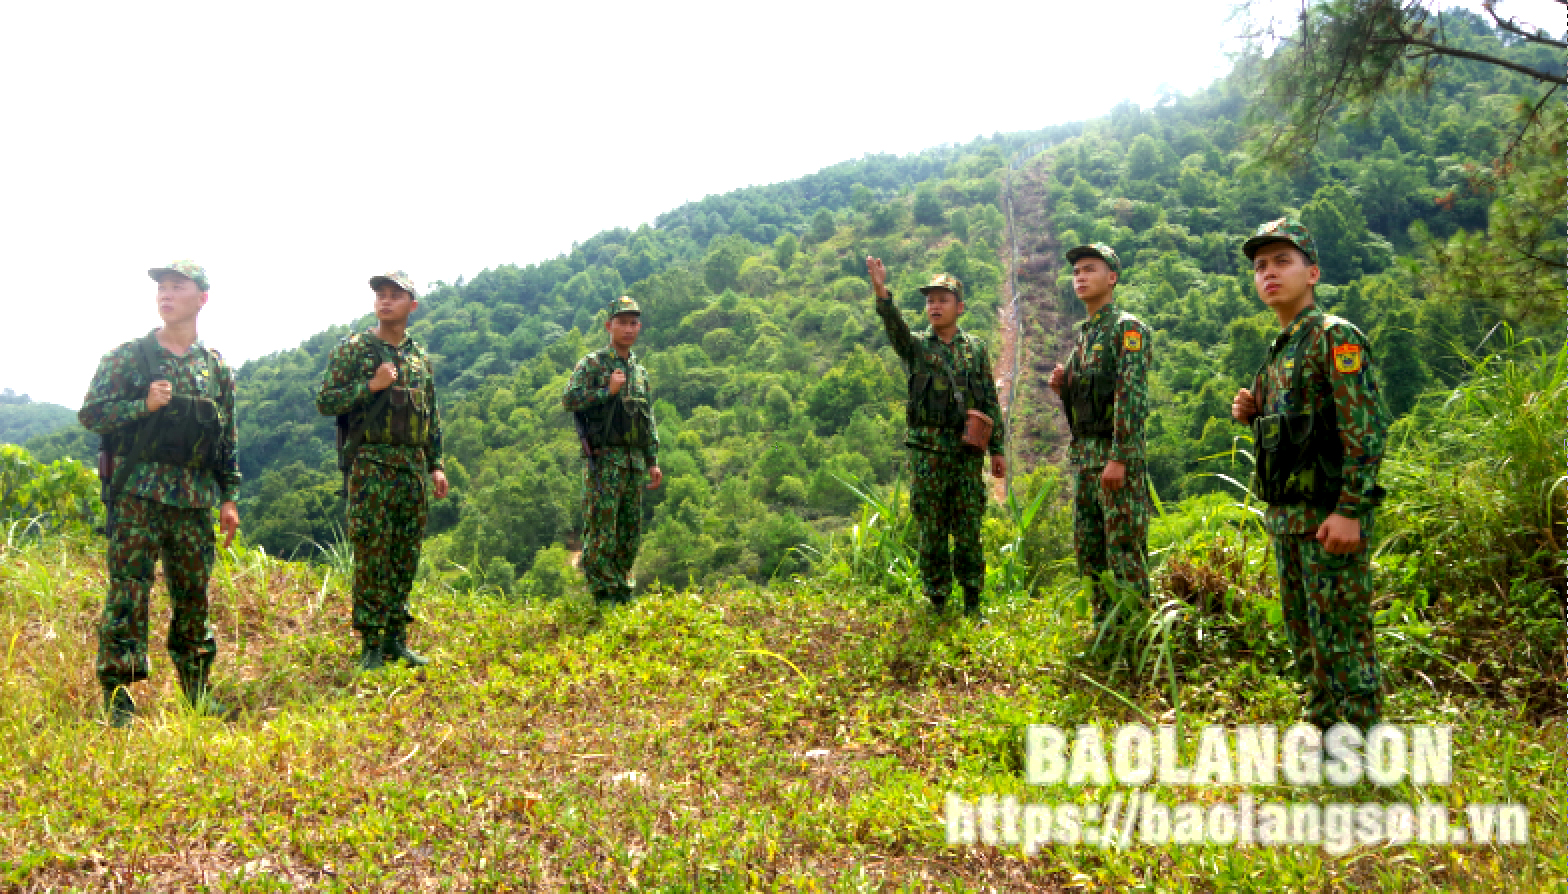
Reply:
x=892, y=319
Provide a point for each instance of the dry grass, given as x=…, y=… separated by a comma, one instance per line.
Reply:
x=737, y=739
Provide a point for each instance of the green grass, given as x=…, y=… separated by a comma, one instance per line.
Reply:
x=797, y=738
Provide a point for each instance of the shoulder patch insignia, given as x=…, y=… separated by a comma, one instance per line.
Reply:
x=1347, y=359
x=1132, y=340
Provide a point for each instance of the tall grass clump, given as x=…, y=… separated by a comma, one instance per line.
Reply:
x=1473, y=526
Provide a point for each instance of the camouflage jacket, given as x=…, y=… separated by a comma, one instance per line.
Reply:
x=924, y=352
x=346, y=387
x=1119, y=343
x=1337, y=370
x=590, y=386
x=118, y=397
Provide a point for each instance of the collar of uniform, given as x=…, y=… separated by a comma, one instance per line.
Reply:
x=1102, y=316
x=609, y=353
x=406, y=345
x=1305, y=314
x=196, y=345
x=930, y=333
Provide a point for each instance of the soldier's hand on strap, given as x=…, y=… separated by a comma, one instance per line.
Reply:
x=1114, y=477
x=385, y=375
x=1244, y=407
x=878, y=276
x=655, y=477
x=229, y=521
x=617, y=381
x=158, y=395
x=439, y=485
x=1340, y=534
x=1058, y=379
x=998, y=466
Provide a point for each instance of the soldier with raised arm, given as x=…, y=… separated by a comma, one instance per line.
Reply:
x=949, y=383
x=1319, y=426
x=164, y=406
x=381, y=386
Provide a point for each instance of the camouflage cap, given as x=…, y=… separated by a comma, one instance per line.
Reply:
x=188, y=269
x=397, y=278
x=1286, y=229
x=624, y=305
x=1096, y=250
x=944, y=281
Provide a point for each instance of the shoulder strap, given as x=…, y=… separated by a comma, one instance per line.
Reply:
x=147, y=356
x=1295, y=381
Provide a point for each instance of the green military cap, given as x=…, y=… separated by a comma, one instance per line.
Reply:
x=396, y=278
x=944, y=281
x=188, y=269
x=624, y=305
x=1096, y=250
x=1286, y=229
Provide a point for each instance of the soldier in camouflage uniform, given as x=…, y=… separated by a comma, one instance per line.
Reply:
x=1319, y=426
x=1105, y=393
x=164, y=405
x=949, y=374
x=381, y=386
x=609, y=395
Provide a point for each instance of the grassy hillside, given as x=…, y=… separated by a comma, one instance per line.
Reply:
x=800, y=737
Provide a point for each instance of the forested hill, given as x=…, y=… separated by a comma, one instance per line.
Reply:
x=22, y=418
x=774, y=381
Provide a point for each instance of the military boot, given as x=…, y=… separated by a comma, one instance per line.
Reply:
x=370, y=657
x=972, y=602
x=395, y=648
x=118, y=706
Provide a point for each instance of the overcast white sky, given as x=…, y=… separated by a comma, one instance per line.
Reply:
x=295, y=149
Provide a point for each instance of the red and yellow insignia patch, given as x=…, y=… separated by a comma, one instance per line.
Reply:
x=1132, y=340
x=1347, y=359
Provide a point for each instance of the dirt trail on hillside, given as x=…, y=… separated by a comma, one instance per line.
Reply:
x=1039, y=429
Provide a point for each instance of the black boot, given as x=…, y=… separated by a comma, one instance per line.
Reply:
x=118, y=706
x=395, y=648
x=370, y=658
x=972, y=603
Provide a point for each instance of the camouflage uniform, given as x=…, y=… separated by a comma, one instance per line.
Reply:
x=947, y=489
x=613, y=481
x=1111, y=527
x=388, y=500
x=1326, y=599
x=163, y=510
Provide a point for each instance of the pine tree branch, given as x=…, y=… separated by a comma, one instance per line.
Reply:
x=1512, y=28
x=1405, y=39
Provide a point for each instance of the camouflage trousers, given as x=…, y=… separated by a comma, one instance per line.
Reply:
x=387, y=508
x=612, y=526
x=145, y=530
x=947, y=500
x=1111, y=532
x=1326, y=601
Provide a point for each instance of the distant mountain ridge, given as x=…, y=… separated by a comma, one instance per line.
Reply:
x=22, y=418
